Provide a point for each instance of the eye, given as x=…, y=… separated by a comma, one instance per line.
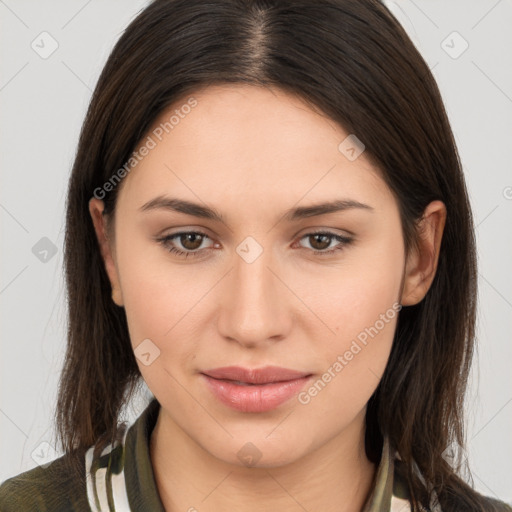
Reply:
x=321, y=240
x=191, y=241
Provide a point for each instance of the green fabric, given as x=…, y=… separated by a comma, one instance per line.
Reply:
x=140, y=480
x=49, y=489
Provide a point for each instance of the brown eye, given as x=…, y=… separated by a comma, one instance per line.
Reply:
x=320, y=243
x=185, y=243
x=191, y=241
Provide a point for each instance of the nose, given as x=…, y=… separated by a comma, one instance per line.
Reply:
x=255, y=306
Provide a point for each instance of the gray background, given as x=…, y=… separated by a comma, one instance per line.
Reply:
x=43, y=102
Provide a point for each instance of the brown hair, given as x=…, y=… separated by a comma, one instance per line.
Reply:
x=353, y=61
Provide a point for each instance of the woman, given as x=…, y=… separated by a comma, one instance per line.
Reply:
x=267, y=223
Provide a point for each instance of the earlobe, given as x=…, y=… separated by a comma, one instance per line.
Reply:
x=421, y=263
x=96, y=208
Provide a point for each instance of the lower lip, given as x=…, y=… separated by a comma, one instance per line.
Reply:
x=257, y=398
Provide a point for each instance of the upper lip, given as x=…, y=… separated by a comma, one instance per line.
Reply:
x=263, y=375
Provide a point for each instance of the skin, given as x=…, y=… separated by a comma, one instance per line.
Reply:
x=252, y=153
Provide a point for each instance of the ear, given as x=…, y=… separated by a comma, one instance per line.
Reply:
x=421, y=264
x=96, y=209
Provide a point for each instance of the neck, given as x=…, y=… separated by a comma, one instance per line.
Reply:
x=336, y=477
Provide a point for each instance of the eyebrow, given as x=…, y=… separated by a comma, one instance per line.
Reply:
x=293, y=214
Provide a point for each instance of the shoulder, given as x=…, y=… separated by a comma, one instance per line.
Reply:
x=495, y=505
x=58, y=486
x=484, y=504
x=451, y=502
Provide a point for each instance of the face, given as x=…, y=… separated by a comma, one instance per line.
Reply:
x=272, y=281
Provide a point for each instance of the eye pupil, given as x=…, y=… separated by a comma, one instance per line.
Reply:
x=185, y=238
x=324, y=245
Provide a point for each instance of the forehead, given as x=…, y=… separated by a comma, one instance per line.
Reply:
x=249, y=144
x=242, y=121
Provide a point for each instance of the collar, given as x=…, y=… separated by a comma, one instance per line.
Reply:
x=121, y=478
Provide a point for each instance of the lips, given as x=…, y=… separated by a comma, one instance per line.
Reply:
x=246, y=376
x=256, y=391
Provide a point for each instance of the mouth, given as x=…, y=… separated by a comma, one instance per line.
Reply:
x=240, y=383
x=256, y=376
x=256, y=390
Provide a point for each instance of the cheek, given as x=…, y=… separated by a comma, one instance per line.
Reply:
x=160, y=310
x=355, y=358
x=352, y=294
x=160, y=298
x=360, y=305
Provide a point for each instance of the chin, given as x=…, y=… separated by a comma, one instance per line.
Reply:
x=257, y=454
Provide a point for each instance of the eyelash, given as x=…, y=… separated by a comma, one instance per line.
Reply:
x=344, y=241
